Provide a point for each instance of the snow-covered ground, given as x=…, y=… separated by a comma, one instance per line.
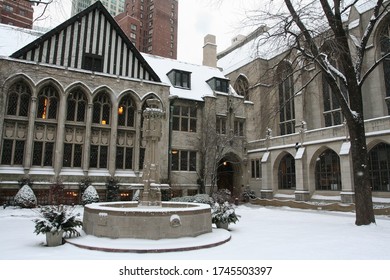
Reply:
x=263, y=233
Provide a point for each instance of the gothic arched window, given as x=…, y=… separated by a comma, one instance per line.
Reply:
x=379, y=164
x=385, y=49
x=286, y=99
x=286, y=172
x=327, y=173
x=241, y=86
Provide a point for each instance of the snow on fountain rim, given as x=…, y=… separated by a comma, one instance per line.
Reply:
x=105, y=206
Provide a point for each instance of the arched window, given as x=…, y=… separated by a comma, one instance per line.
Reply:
x=75, y=129
x=286, y=173
x=126, y=134
x=286, y=99
x=102, y=109
x=379, y=164
x=332, y=110
x=385, y=49
x=45, y=132
x=126, y=112
x=327, y=173
x=47, y=103
x=19, y=100
x=101, y=131
x=241, y=86
x=15, y=124
x=76, y=106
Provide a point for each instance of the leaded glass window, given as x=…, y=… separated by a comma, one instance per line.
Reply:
x=379, y=164
x=18, y=103
x=286, y=172
x=102, y=109
x=76, y=107
x=286, y=99
x=126, y=112
x=47, y=103
x=328, y=175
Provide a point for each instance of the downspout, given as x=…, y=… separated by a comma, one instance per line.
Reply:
x=172, y=100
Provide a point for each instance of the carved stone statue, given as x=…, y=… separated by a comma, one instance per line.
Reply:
x=152, y=129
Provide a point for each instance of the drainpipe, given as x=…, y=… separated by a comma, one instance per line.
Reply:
x=172, y=100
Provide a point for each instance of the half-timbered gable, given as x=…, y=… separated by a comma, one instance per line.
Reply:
x=91, y=40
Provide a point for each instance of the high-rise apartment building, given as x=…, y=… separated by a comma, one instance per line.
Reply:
x=113, y=6
x=16, y=12
x=151, y=25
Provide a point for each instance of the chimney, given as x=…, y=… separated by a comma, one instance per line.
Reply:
x=210, y=51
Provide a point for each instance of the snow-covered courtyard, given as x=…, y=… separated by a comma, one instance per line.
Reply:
x=297, y=243
x=264, y=233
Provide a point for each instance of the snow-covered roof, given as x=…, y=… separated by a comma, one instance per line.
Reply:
x=199, y=75
x=263, y=46
x=13, y=38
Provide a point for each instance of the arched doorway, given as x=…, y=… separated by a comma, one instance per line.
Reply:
x=229, y=174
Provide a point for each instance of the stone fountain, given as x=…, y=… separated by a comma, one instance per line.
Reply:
x=150, y=218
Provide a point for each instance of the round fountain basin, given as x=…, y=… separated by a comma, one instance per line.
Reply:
x=128, y=220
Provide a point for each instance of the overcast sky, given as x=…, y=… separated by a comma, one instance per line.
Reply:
x=197, y=18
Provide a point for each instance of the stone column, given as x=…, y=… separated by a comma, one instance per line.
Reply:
x=30, y=134
x=59, y=151
x=87, y=141
x=347, y=192
x=114, y=135
x=266, y=182
x=302, y=192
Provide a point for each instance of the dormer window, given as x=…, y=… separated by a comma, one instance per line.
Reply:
x=179, y=78
x=219, y=84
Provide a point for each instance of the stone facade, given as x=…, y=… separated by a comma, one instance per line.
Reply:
x=312, y=161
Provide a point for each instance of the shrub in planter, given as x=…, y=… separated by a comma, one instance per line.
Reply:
x=58, y=219
x=222, y=195
x=223, y=214
x=248, y=194
x=90, y=195
x=25, y=197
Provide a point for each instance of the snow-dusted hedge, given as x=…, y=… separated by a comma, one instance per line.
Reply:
x=25, y=197
x=90, y=195
x=198, y=198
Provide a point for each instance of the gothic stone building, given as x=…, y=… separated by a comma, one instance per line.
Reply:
x=71, y=110
x=298, y=147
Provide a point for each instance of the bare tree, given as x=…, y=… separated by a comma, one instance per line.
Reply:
x=305, y=28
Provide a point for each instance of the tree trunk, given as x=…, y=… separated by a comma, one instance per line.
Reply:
x=362, y=185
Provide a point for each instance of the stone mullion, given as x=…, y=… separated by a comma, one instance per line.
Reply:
x=87, y=141
x=30, y=135
x=59, y=143
x=113, y=140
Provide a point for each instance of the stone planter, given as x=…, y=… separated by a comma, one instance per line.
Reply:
x=54, y=238
x=222, y=225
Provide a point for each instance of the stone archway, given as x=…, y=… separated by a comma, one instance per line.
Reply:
x=229, y=174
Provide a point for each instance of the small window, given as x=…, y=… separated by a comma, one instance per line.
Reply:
x=93, y=62
x=180, y=79
x=218, y=84
x=255, y=169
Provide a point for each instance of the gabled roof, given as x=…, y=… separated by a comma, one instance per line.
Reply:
x=94, y=32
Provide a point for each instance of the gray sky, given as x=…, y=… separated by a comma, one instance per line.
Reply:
x=197, y=18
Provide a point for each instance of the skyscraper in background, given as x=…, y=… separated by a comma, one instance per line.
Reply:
x=113, y=6
x=151, y=25
x=16, y=12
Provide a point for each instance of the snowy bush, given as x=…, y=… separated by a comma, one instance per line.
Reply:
x=56, y=219
x=223, y=213
x=222, y=195
x=25, y=197
x=90, y=195
x=198, y=198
